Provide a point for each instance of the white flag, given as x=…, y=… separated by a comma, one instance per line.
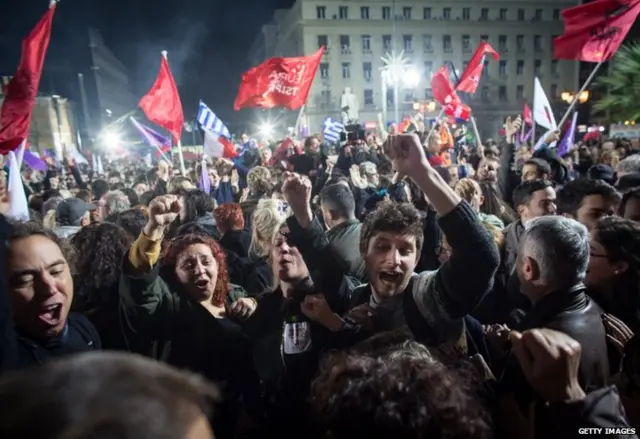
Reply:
x=212, y=145
x=542, y=112
x=18, y=205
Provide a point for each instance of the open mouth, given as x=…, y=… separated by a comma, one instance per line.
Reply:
x=390, y=277
x=201, y=283
x=50, y=314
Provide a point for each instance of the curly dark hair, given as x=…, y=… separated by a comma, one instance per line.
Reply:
x=21, y=230
x=400, y=218
x=100, y=248
x=357, y=396
x=177, y=245
x=131, y=220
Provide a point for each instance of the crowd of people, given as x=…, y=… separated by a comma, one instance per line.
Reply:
x=402, y=286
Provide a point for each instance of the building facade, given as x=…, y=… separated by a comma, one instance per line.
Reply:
x=429, y=34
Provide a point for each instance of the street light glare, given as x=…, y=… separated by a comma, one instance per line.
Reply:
x=266, y=129
x=111, y=138
x=411, y=77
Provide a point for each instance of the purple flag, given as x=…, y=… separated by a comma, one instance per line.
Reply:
x=204, y=181
x=33, y=161
x=569, y=137
x=150, y=135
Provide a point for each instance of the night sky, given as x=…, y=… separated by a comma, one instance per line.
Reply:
x=207, y=40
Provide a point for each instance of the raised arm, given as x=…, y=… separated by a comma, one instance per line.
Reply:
x=457, y=287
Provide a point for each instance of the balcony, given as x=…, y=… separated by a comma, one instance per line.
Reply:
x=447, y=50
x=428, y=49
x=367, y=52
x=345, y=50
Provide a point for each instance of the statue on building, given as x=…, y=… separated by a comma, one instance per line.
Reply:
x=349, y=106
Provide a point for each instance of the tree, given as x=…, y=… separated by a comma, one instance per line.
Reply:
x=621, y=87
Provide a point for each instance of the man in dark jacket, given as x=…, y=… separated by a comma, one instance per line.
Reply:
x=551, y=265
x=431, y=304
x=339, y=212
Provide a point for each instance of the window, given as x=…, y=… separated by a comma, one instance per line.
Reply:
x=390, y=96
x=426, y=42
x=553, y=38
x=386, y=13
x=345, y=44
x=520, y=43
x=426, y=13
x=502, y=70
x=324, y=70
x=466, y=13
x=502, y=93
x=408, y=96
x=343, y=12
x=537, y=43
x=366, y=70
x=554, y=67
x=368, y=97
x=537, y=67
x=386, y=43
x=484, y=38
x=346, y=70
x=325, y=96
x=520, y=67
x=520, y=92
x=520, y=14
x=503, y=14
x=484, y=93
x=556, y=15
x=366, y=43
x=538, y=16
x=364, y=12
x=466, y=44
x=554, y=90
x=406, y=13
x=428, y=94
x=407, y=43
x=323, y=41
x=484, y=14
x=321, y=12
x=446, y=13
x=428, y=68
x=502, y=43
x=446, y=43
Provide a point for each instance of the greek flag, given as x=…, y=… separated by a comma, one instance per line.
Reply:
x=211, y=122
x=332, y=130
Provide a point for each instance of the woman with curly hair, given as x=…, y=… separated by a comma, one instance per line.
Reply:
x=179, y=307
x=100, y=248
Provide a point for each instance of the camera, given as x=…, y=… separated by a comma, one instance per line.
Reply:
x=352, y=133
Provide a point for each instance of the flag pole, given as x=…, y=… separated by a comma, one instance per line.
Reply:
x=476, y=132
x=577, y=96
x=433, y=128
x=183, y=170
x=296, y=129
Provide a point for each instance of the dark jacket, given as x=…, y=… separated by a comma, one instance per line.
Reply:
x=163, y=324
x=237, y=241
x=508, y=177
x=344, y=239
x=442, y=298
x=577, y=315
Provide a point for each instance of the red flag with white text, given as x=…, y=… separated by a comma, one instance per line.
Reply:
x=471, y=76
x=594, y=31
x=278, y=82
x=441, y=87
x=458, y=110
x=22, y=89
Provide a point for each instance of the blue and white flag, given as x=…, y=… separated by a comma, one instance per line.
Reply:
x=332, y=129
x=209, y=121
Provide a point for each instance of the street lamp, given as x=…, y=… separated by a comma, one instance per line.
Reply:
x=110, y=137
x=397, y=70
x=266, y=130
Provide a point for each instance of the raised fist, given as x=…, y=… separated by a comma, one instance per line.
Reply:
x=164, y=210
x=406, y=154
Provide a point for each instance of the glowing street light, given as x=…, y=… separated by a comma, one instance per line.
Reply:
x=111, y=137
x=397, y=70
x=266, y=130
x=568, y=97
x=411, y=77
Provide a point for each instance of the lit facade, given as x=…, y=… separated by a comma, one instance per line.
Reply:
x=357, y=33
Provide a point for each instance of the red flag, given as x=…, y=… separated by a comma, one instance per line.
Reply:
x=443, y=91
x=162, y=104
x=594, y=31
x=21, y=92
x=458, y=110
x=528, y=119
x=471, y=76
x=278, y=82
